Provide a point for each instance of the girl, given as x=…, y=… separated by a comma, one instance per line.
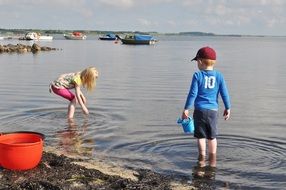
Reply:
x=62, y=85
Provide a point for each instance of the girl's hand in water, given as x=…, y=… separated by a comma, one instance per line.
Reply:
x=85, y=111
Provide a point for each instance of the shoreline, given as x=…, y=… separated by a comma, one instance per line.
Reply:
x=58, y=171
x=21, y=31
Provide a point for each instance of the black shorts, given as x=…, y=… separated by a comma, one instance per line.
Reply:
x=205, y=123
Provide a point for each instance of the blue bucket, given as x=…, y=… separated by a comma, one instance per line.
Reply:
x=187, y=124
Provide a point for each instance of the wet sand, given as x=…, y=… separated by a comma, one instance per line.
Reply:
x=56, y=172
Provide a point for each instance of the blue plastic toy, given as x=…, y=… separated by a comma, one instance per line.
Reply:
x=187, y=124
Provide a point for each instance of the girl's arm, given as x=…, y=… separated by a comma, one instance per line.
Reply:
x=81, y=99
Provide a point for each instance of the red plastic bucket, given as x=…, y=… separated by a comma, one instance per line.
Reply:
x=21, y=150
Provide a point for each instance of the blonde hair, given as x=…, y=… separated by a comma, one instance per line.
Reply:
x=208, y=62
x=88, y=77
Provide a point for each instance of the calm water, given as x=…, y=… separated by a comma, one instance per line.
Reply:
x=139, y=96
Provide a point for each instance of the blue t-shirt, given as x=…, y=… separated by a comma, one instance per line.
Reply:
x=205, y=87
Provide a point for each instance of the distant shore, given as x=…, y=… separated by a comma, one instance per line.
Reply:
x=9, y=32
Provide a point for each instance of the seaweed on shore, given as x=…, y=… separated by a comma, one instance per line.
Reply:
x=59, y=173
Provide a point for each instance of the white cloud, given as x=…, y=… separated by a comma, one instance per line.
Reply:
x=272, y=22
x=239, y=12
x=147, y=24
x=39, y=7
x=276, y=21
x=272, y=2
x=123, y=4
x=144, y=22
x=192, y=3
x=221, y=10
x=172, y=23
x=45, y=3
x=127, y=4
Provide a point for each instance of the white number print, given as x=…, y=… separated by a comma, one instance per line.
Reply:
x=209, y=82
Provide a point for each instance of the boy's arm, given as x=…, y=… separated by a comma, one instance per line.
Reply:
x=226, y=114
x=191, y=97
x=185, y=114
x=225, y=98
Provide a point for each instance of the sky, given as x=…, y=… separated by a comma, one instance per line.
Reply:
x=245, y=17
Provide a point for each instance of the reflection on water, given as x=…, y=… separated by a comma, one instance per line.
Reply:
x=203, y=177
x=72, y=142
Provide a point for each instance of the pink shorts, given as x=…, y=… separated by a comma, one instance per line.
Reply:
x=65, y=93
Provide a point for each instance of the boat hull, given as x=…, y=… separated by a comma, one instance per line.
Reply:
x=71, y=37
x=106, y=38
x=36, y=36
x=137, y=42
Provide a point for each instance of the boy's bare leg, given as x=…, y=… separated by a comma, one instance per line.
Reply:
x=202, y=152
x=212, y=146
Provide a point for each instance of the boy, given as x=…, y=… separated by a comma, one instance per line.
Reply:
x=205, y=87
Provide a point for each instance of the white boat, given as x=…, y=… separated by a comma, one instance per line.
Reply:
x=1, y=38
x=36, y=36
x=75, y=36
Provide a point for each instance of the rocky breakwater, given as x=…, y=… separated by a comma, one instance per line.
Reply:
x=21, y=48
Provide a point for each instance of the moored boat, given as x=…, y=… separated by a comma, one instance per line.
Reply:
x=75, y=36
x=108, y=36
x=138, y=39
x=35, y=36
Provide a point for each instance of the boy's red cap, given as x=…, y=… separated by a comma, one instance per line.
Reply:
x=205, y=53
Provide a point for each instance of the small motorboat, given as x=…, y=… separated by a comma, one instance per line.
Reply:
x=75, y=36
x=35, y=36
x=108, y=36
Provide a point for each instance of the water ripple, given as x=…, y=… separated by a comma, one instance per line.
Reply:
x=261, y=153
x=241, y=159
x=100, y=124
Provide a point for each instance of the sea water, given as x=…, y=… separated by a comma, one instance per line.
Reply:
x=140, y=93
